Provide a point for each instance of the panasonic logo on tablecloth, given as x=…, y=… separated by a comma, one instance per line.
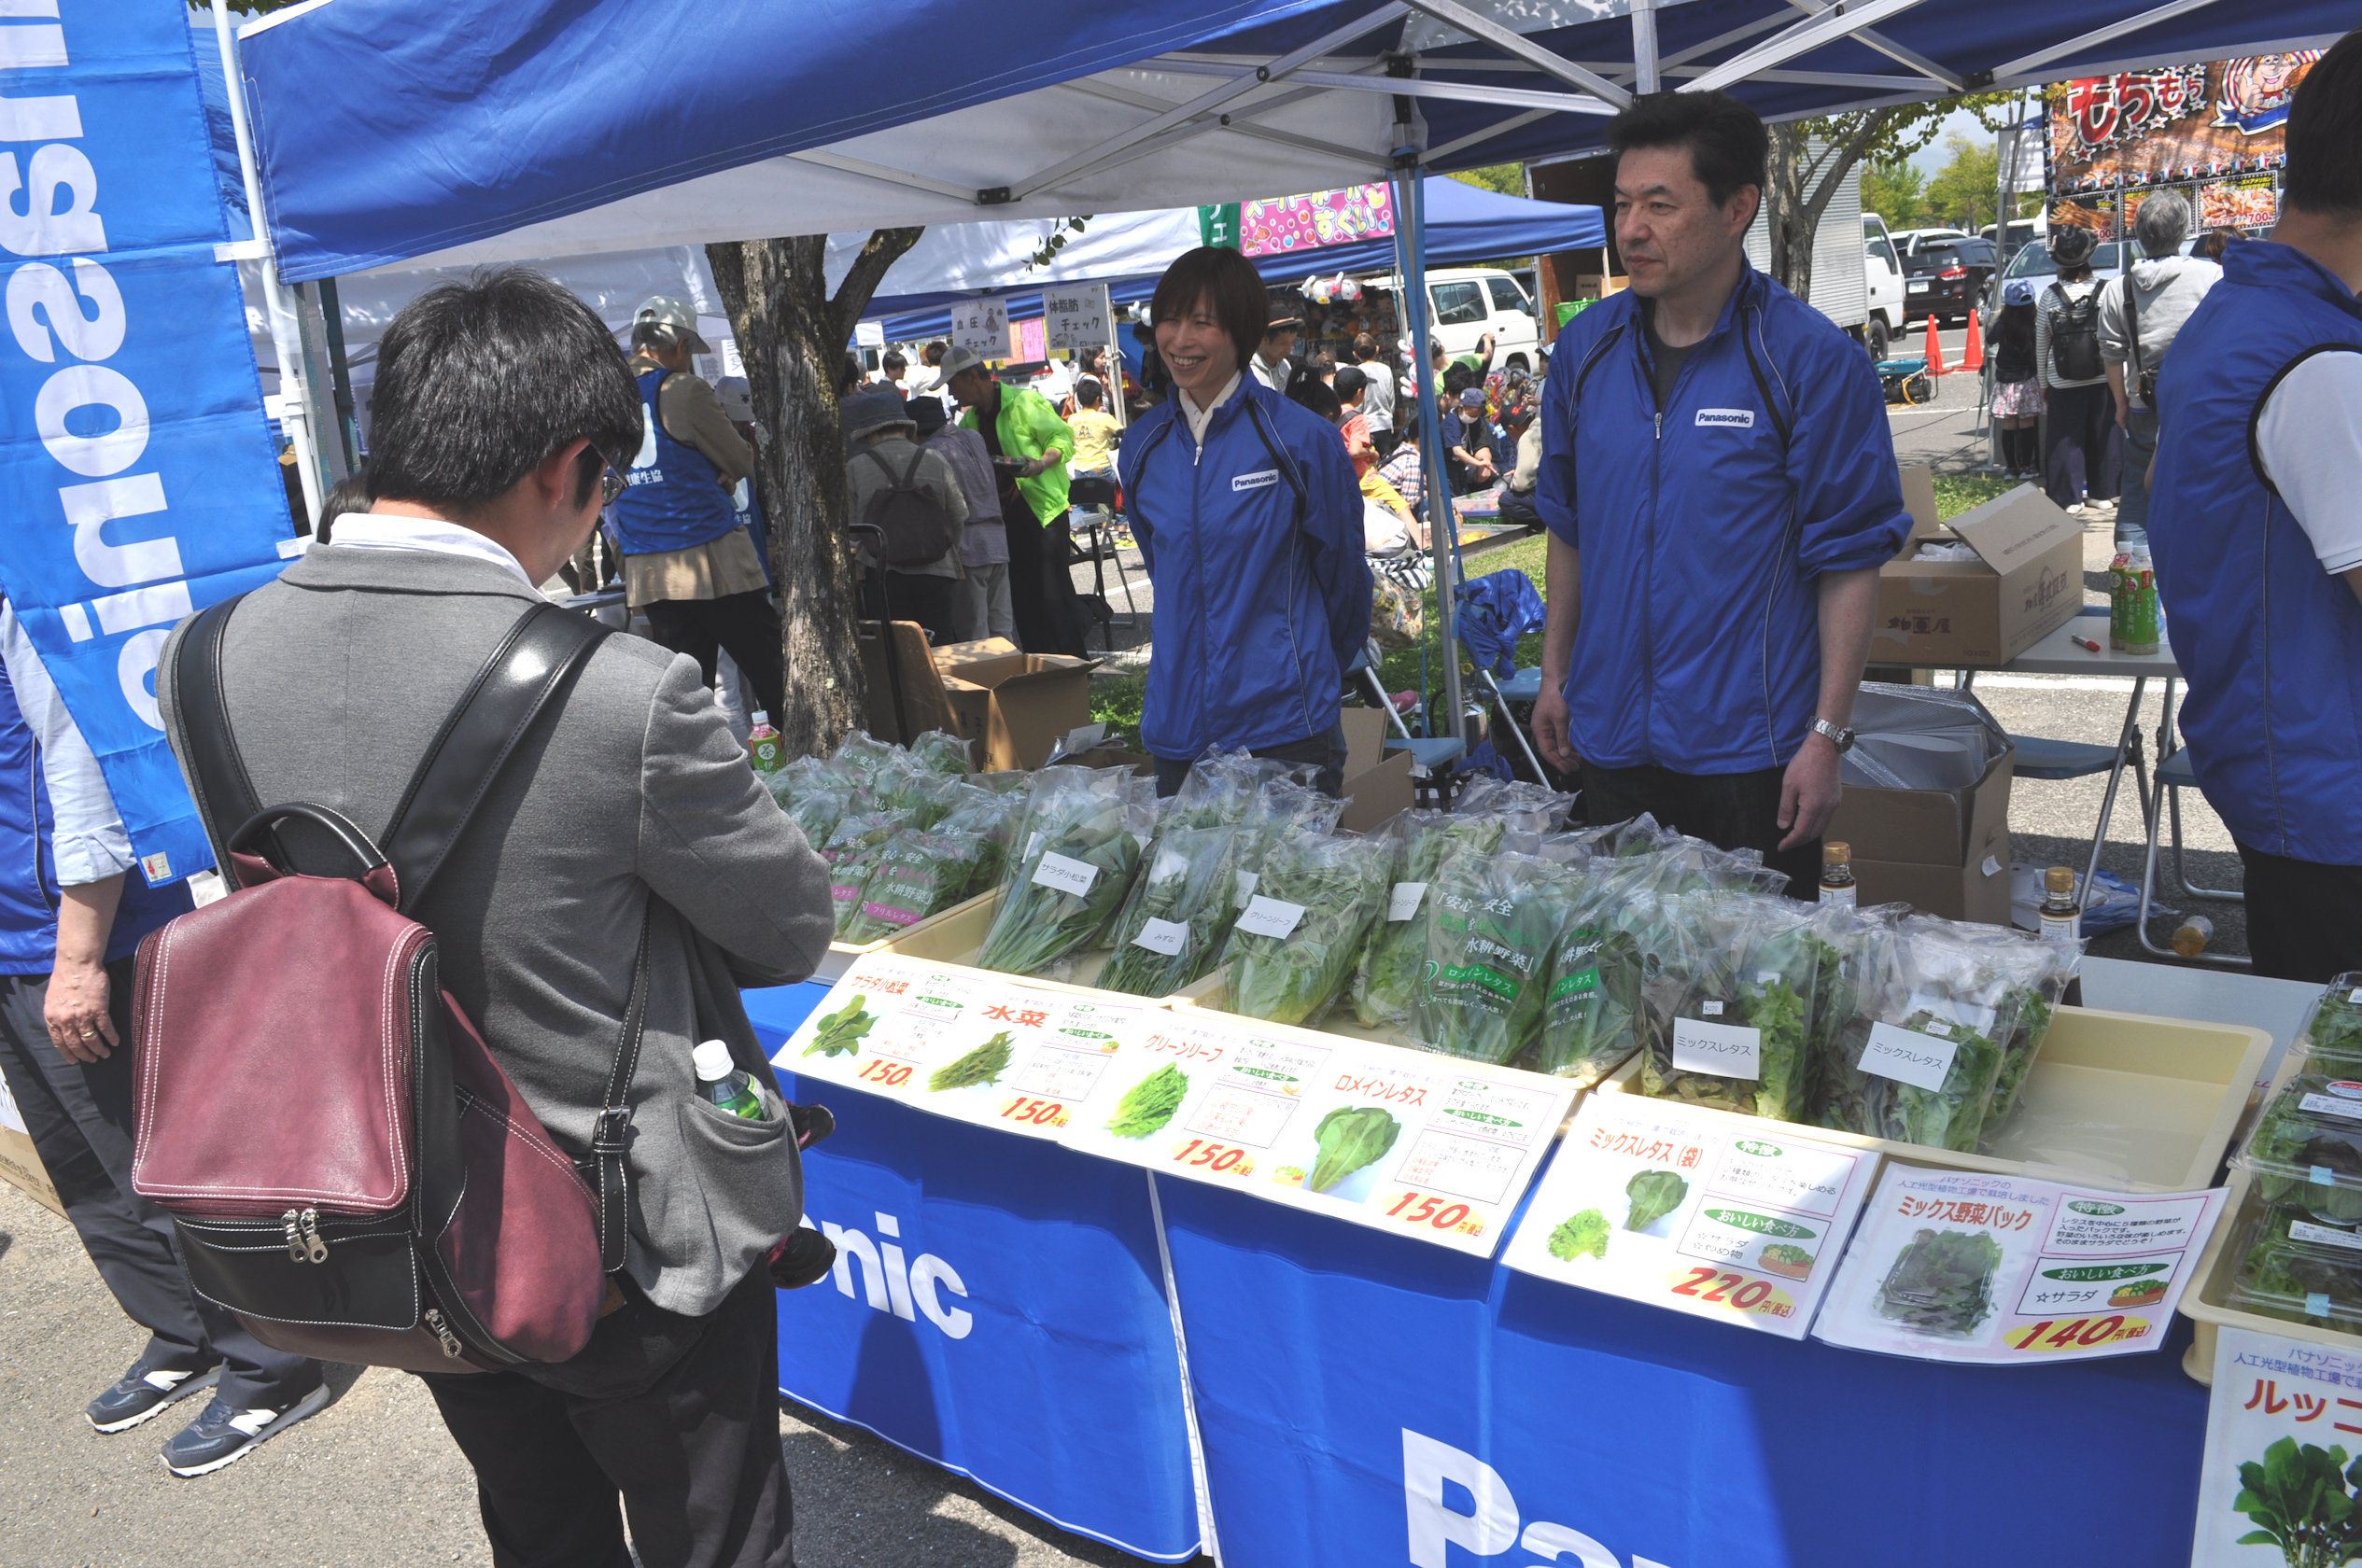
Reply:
x=909, y=1289
x=1729, y=419
x=1255, y=481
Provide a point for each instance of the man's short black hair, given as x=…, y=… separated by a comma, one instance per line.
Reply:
x=2324, y=174
x=1087, y=393
x=478, y=381
x=1228, y=283
x=1728, y=144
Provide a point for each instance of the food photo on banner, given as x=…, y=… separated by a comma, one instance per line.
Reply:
x=2216, y=127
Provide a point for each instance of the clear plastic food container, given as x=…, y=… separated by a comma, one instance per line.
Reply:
x=2295, y=1270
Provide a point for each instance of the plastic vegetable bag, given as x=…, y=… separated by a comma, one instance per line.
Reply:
x=1072, y=876
x=915, y=874
x=859, y=831
x=1282, y=810
x=2037, y=973
x=864, y=754
x=1292, y=951
x=1385, y=979
x=992, y=818
x=900, y=786
x=1592, y=1012
x=1919, y=1059
x=1169, y=932
x=1698, y=956
x=1495, y=921
x=816, y=813
x=2333, y=1034
x=1221, y=788
x=940, y=752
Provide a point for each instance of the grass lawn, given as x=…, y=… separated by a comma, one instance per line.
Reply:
x=1116, y=700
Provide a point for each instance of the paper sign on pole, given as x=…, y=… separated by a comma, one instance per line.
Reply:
x=1076, y=317
x=2281, y=1408
x=982, y=325
x=1737, y=1223
x=869, y=334
x=1972, y=1267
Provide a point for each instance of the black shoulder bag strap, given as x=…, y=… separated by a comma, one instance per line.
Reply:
x=533, y=663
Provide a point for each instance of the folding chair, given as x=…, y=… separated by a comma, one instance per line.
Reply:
x=2039, y=757
x=1363, y=673
x=2176, y=774
x=1495, y=610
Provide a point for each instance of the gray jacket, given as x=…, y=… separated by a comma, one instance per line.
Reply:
x=2166, y=290
x=337, y=676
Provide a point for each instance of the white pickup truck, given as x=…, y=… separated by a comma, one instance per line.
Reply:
x=1857, y=277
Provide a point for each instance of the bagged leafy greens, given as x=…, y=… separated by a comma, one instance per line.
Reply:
x=1168, y=933
x=992, y=818
x=864, y=754
x=2037, y=973
x=817, y=812
x=1697, y=955
x=2333, y=1034
x=1942, y=1282
x=1281, y=810
x=1292, y=951
x=940, y=752
x=1761, y=968
x=917, y=874
x=927, y=796
x=1221, y=788
x=1593, y=998
x=1495, y=919
x=1943, y=990
x=1072, y=876
x=2306, y=1151
x=1386, y=976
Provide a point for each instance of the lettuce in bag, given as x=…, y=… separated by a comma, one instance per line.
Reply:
x=1927, y=979
x=1495, y=921
x=992, y=818
x=1292, y=951
x=1385, y=979
x=941, y=751
x=1592, y=1012
x=1072, y=876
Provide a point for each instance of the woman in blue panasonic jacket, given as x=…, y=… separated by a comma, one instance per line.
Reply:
x=1249, y=518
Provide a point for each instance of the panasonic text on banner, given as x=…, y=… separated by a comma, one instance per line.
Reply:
x=1489, y=1523
x=136, y=474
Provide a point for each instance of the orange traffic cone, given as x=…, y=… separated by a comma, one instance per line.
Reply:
x=1973, y=356
x=1935, y=366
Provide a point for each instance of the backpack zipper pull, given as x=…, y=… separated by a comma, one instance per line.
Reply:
x=292, y=1220
x=441, y=1328
x=314, y=1245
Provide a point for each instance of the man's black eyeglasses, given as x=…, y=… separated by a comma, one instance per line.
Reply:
x=610, y=483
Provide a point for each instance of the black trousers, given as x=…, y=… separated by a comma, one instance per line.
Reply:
x=2087, y=450
x=2304, y=917
x=80, y=1116
x=1041, y=580
x=931, y=601
x=1325, y=751
x=679, y=1418
x=1733, y=810
x=745, y=624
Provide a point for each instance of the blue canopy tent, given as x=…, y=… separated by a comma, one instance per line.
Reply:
x=1464, y=223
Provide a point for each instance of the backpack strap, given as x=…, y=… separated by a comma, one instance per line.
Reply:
x=608, y=1175
x=225, y=796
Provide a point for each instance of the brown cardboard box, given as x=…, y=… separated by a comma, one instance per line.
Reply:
x=923, y=703
x=1941, y=850
x=1919, y=499
x=1376, y=785
x=1598, y=285
x=1019, y=706
x=20, y=1166
x=2025, y=584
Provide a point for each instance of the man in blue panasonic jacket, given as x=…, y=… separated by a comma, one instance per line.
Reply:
x=1720, y=486
x=2257, y=541
x=689, y=561
x=1249, y=518
x=71, y=916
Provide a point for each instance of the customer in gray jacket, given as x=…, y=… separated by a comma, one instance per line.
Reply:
x=2157, y=294
x=487, y=466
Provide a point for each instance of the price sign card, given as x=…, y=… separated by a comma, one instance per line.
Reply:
x=2279, y=1404
x=1675, y=1206
x=1962, y=1266
x=963, y=1044
x=1202, y=1096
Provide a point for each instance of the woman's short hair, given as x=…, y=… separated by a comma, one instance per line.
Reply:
x=1228, y=283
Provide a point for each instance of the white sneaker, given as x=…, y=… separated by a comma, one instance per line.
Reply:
x=2076, y=510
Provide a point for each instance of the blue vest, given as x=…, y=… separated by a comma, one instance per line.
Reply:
x=28, y=873
x=674, y=497
x=2271, y=643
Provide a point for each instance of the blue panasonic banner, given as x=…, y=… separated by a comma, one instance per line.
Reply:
x=138, y=481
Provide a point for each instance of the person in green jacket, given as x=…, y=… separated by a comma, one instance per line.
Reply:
x=1030, y=446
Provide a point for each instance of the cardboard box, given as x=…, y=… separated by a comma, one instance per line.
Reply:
x=1598, y=285
x=1017, y=705
x=1945, y=851
x=2026, y=584
x=1377, y=785
x=923, y=703
x=1919, y=499
x=19, y=1165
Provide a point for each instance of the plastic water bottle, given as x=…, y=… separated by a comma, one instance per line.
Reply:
x=2141, y=608
x=722, y=1084
x=2191, y=937
x=763, y=744
x=2119, y=598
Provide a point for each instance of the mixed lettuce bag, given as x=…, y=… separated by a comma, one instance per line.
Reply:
x=1494, y=923
x=1170, y=931
x=1928, y=1020
x=1386, y=975
x=1292, y=950
x=1752, y=1005
x=914, y=875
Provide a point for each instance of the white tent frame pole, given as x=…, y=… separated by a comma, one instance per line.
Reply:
x=1800, y=39
x=1443, y=540
x=1107, y=158
x=1518, y=47
x=1208, y=102
x=287, y=337
x=1645, y=70
x=2094, y=39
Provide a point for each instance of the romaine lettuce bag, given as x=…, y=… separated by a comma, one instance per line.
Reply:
x=1592, y=1010
x=1385, y=978
x=1169, y=932
x=1292, y=949
x=916, y=874
x=1495, y=921
x=1071, y=878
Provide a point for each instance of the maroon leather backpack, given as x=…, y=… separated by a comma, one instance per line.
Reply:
x=348, y=1169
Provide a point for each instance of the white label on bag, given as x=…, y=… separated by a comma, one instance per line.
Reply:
x=1711, y=1009
x=206, y=887
x=1403, y=902
x=1067, y=877
x=1246, y=880
x=2324, y=1236
x=1724, y=1050
x=1163, y=936
x=1907, y=1057
x=1270, y=916
x=2332, y=1105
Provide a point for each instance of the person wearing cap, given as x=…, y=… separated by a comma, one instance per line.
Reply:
x=1250, y=523
x=1467, y=443
x=1718, y=478
x=1029, y=444
x=981, y=604
x=2258, y=541
x=689, y=564
x=2140, y=315
x=881, y=454
x=2086, y=453
x=1269, y=362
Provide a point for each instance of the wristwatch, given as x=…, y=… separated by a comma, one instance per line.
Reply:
x=1840, y=735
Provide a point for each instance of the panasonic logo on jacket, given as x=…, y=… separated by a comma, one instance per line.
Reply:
x=1729, y=419
x=1255, y=481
